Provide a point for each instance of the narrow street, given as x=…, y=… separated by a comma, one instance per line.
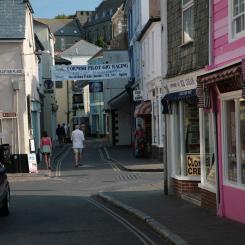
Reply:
x=62, y=209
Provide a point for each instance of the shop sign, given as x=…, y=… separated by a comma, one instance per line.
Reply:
x=11, y=72
x=193, y=164
x=185, y=83
x=7, y=114
x=138, y=95
x=95, y=87
x=91, y=72
x=32, y=163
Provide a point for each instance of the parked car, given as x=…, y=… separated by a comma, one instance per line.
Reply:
x=4, y=192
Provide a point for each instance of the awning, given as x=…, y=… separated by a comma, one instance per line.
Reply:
x=183, y=95
x=119, y=100
x=227, y=79
x=144, y=108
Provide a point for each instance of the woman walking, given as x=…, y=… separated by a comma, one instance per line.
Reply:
x=46, y=146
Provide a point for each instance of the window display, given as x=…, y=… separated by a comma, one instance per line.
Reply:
x=209, y=154
x=242, y=138
x=231, y=141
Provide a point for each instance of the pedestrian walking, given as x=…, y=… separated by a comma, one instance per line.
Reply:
x=60, y=134
x=139, y=141
x=46, y=148
x=77, y=138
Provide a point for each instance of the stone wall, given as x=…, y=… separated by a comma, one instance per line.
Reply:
x=184, y=58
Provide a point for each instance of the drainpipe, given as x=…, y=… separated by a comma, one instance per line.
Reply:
x=210, y=61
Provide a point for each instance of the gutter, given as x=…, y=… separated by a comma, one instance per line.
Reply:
x=147, y=25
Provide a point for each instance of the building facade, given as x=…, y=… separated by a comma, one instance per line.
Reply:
x=221, y=92
x=20, y=99
x=99, y=24
x=187, y=25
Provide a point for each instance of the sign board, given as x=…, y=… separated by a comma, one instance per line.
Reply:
x=90, y=72
x=138, y=95
x=95, y=87
x=32, y=163
x=7, y=114
x=11, y=72
x=193, y=163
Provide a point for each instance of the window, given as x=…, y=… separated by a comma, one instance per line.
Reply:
x=77, y=99
x=234, y=141
x=58, y=84
x=209, y=150
x=187, y=20
x=238, y=17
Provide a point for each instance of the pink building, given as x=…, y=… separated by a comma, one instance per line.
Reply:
x=221, y=92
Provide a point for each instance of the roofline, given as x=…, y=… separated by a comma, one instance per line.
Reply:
x=147, y=26
x=29, y=5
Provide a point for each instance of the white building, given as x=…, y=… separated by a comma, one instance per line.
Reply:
x=47, y=88
x=19, y=97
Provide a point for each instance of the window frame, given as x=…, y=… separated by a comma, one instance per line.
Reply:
x=239, y=35
x=236, y=96
x=184, y=8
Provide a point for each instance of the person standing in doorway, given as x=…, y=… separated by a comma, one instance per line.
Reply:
x=77, y=138
x=139, y=145
x=46, y=146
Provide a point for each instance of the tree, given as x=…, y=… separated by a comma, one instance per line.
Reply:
x=61, y=16
x=100, y=42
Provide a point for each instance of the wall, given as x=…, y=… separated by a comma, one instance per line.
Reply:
x=191, y=56
x=225, y=50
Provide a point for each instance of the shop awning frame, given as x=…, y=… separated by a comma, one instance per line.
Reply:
x=143, y=109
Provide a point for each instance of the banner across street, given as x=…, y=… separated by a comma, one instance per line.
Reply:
x=91, y=72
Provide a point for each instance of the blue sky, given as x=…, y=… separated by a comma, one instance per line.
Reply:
x=51, y=8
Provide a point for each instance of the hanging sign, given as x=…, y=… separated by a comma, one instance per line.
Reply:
x=193, y=165
x=90, y=72
x=138, y=95
x=95, y=87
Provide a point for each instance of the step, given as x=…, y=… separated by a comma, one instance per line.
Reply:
x=194, y=198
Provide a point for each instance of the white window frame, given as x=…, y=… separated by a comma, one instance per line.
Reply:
x=204, y=184
x=236, y=96
x=185, y=7
x=236, y=36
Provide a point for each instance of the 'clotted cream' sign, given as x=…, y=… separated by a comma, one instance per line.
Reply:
x=91, y=72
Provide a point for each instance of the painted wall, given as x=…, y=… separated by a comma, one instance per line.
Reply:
x=225, y=49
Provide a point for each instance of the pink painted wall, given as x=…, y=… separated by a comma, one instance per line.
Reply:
x=225, y=51
x=234, y=203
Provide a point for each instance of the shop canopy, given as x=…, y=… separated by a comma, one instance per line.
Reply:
x=143, y=109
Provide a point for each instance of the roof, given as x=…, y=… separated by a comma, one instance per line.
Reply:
x=13, y=18
x=81, y=48
x=61, y=61
x=62, y=27
x=105, y=11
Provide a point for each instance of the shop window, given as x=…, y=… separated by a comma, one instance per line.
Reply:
x=209, y=150
x=231, y=141
x=187, y=20
x=242, y=139
x=238, y=18
x=191, y=125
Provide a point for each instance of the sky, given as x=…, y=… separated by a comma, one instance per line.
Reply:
x=52, y=8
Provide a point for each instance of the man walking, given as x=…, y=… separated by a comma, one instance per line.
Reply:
x=77, y=138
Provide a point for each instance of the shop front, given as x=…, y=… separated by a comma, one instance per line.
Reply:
x=222, y=101
x=183, y=144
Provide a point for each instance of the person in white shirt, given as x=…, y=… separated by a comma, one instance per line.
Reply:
x=77, y=138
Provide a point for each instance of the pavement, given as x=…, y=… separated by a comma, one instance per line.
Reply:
x=171, y=217
x=42, y=172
